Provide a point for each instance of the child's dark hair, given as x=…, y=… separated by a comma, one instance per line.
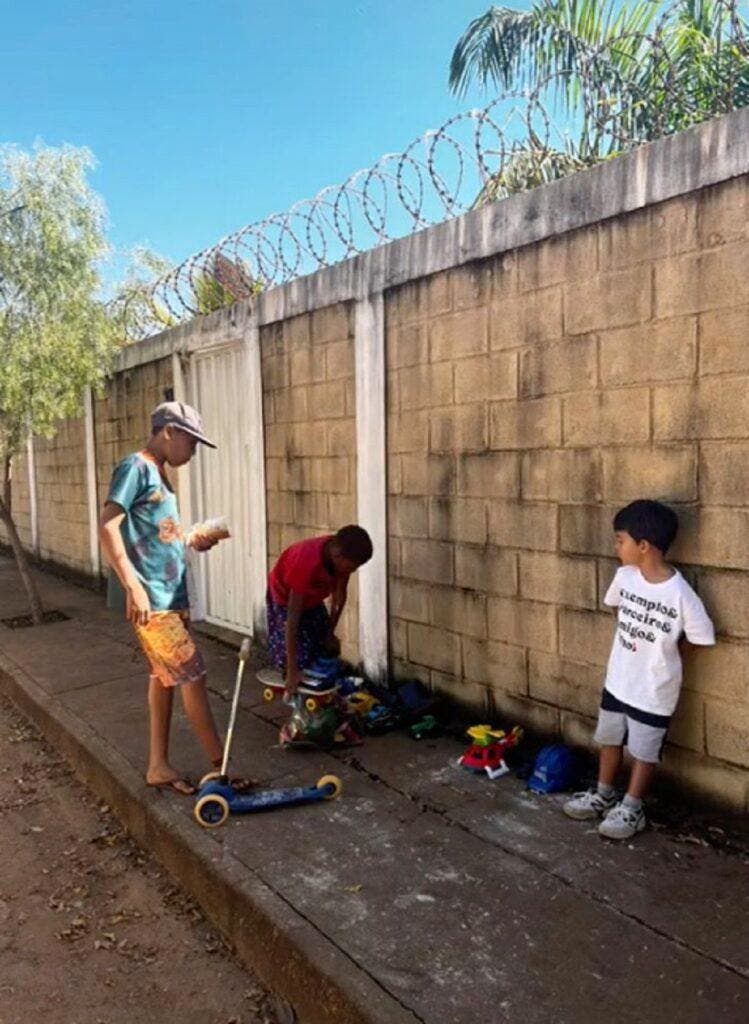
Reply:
x=648, y=520
x=354, y=543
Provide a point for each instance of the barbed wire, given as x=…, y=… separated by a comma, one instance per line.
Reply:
x=630, y=90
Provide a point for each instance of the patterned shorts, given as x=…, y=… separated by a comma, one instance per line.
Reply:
x=314, y=626
x=170, y=649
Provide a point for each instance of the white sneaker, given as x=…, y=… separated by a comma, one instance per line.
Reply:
x=590, y=804
x=622, y=822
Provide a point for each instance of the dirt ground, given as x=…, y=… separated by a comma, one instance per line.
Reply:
x=91, y=929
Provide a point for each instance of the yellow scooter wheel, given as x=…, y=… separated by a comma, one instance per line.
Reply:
x=268, y=694
x=330, y=780
x=211, y=811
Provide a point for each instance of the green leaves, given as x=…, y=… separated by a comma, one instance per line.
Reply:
x=56, y=336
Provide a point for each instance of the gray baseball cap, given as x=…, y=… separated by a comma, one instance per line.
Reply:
x=177, y=414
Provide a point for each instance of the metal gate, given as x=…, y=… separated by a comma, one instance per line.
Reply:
x=220, y=485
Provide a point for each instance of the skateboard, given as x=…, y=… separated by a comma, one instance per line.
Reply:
x=317, y=692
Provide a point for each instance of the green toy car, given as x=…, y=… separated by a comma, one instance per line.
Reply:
x=425, y=727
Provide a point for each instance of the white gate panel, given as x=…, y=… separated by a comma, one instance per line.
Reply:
x=221, y=484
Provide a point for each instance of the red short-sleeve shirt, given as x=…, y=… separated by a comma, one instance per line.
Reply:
x=300, y=569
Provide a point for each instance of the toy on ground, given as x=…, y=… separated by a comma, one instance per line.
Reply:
x=317, y=692
x=217, y=798
x=424, y=728
x=487, y=750
x=555, y=769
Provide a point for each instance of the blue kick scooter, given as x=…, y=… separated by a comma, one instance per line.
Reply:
x=217, y=799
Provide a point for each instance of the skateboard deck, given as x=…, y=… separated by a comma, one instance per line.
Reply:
x=315, y=691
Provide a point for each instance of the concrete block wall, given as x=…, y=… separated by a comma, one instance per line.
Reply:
x=310, y=435
x=61, y=496
x=529, y=396
x=20, y=502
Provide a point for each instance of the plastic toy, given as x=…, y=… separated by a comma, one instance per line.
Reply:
x=555, y=769
x=310, y=728
x=381, y=719
x=487, y=751
x=318, y=692
x=425, y=727
x=360, y=703
x=217, y=799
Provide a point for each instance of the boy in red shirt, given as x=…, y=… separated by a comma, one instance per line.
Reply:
x=300, y=628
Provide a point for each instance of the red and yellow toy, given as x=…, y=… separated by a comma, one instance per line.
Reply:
x=487, y=751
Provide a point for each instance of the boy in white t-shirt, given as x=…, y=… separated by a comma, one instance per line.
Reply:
x=655, y=606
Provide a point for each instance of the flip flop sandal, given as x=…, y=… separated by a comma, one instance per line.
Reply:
x=181, y=786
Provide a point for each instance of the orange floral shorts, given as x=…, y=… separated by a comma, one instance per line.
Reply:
x=170, y=649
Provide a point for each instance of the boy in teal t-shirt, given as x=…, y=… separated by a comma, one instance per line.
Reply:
x=143, y=541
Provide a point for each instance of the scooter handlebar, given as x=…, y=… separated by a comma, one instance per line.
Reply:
x=244, y=650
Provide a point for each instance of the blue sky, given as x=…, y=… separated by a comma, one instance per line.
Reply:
x=207, y=115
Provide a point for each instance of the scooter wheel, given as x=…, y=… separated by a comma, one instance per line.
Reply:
x=211, y=811
x=209, y=778
x=311, y=704
x=330, y=781
x=268, y=694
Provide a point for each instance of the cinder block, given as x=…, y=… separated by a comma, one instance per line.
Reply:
x=280, y=506
x=586, y=529
x=312, y=510
x=620, y=416
x=458, y=334
x=625, y=240
x=720, y=672
x=542, y=316
x=408, y=432
x=550, y=369
x=674, y=226
x=722, y=213
x=615, y=299
x=500, y=666
x=296, y=331
x=525, y=623
x=564, y=683
x=403, y=304
x=398, y=638
x=687, y=728
x=507, y=323
x=720, y=783
x=489, y=475
x=461, y=519
x=659, y=350
x=715, y=407
x=307, y=365
x=558, y=579
x=586, y=634
x=327, y=400
x=427, y=385
x=535, y=423
x=724, y=472
x=461, y=611
x=409, y=601
x=331, y=323
x=435, y=648
x=276, y=372
x=437, y=295
x=726, y=597
x=428, y=560
x=428, y=474
x=339, y=359
x=408, y=517
x=486, y=377
x=290, y=405
x=561, y=475
x=332, y=476
x=712, y=536
x=554, y=260
x=470, y=285
x=664, y=473
x=708, y=280
x=504, y=273
x=341, y=435
x=304, y=439
x=489, y=569
x=468, y=695
x=407, y=345
x=540, y=718
x=342, y=510
x=727, y=727
x=458, y=428
x=723, y=346
x=522, y=525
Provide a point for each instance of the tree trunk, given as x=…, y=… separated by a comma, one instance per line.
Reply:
x=22, y=561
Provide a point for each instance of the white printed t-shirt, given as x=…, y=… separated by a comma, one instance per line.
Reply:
x=644, y=668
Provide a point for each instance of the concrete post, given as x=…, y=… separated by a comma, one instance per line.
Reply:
x=92, y=500
x=371, y=480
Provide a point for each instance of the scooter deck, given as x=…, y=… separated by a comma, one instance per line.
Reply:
x=272, y=679
x=216, y=800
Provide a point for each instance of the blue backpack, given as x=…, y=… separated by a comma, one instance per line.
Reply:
x=555, y=769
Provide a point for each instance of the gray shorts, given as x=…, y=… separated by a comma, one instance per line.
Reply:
x=620, y=724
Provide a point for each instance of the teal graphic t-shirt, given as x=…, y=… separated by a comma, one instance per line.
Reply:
x=151, y=532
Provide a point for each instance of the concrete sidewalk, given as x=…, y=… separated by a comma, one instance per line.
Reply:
x=424, y=893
